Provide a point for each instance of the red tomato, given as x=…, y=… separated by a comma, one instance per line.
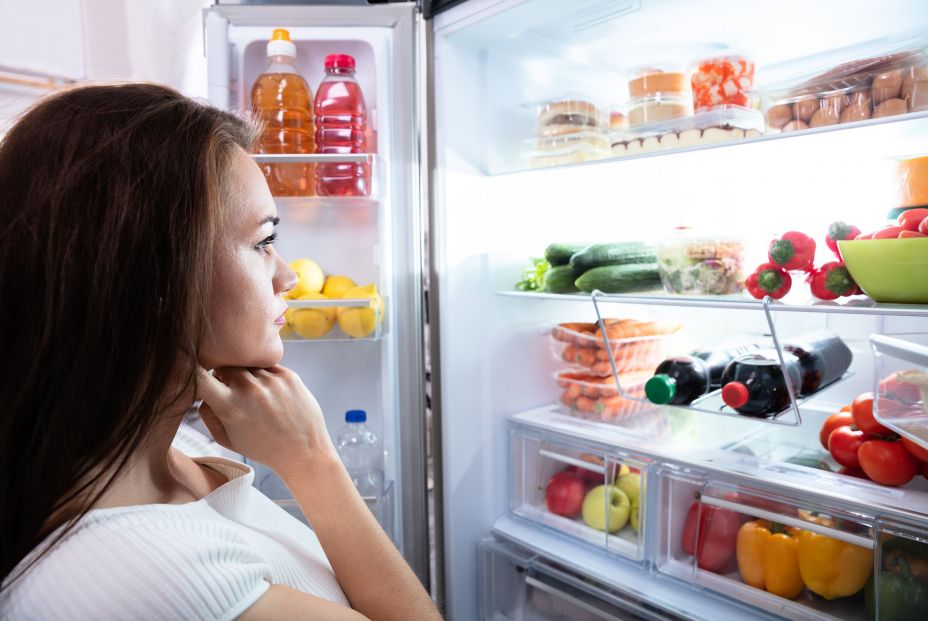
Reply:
x=888, y=232
x=910, y=235
x=925, y=470
x=911, y=218
x=838, y=419
x=852, y=472
x=915, y=450
x=923, y=227
x=862, y=409
x=717, y=536
x=887, y=463
x=843, y=444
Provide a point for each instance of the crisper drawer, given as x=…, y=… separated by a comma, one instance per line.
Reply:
x=516, y=584
x=792, y=557
x=582, y=490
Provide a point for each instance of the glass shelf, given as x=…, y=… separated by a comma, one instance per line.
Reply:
x=858, y=305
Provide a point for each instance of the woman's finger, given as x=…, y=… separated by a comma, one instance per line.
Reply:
x=214, y=425
x=211, y=389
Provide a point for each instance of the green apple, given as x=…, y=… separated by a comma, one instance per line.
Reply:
x=606, y=508
x=630, y=483
x=633, y=516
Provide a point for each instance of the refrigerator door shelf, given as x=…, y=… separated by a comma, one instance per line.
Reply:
x=901, y=385
x=367, y=316
x=374, y=165
x=562, y=484
x=517, y=584
x=709, y=521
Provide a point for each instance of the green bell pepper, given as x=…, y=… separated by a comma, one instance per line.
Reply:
x=902, y=595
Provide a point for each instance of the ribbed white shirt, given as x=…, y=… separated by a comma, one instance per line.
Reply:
x=209, y=559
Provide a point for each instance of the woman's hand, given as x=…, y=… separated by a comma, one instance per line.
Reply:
x=267, y=415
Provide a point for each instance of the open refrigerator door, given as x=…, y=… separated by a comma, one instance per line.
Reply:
x=358, y=344
x=726, y=128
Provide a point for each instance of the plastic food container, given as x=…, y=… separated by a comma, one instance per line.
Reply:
x=662, y=80
x=885, y=80
x=693, y=263
x=569, y=115
x=901, y=395
x=593, y=397
x=657, y=108
x=575, y=153
x=583, y=347
x=722, y=81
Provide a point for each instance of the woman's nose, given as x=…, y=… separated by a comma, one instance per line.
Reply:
x=284, y=278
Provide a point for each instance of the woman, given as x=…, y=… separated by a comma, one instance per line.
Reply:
x=137, y=252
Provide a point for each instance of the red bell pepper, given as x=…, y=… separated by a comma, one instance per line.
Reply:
x=831, y=281
x=717, y=535
x=793, y=251
x=768, y=279
x=839, y=231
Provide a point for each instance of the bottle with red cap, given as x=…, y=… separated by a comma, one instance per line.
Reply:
x=754, y=384
x=282, y=100
x=341, y=128
x=683, y=379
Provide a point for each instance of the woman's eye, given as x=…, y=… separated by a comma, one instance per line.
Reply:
x=266, y=243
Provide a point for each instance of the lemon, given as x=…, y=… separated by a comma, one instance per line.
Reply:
x=336, y=286
x=361, y=322
x=286, y=332
x=311, y=323
x=309, y=278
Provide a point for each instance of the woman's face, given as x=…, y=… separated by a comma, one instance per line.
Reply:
x=245, y=305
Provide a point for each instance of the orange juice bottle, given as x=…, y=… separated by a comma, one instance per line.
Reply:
x=283, y=102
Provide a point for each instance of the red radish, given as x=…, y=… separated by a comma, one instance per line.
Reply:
x=911, y=235
x=889, y=232
x=911, y=218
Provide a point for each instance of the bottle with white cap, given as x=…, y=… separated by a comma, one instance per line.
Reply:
x=359, y=449
x=282, y=100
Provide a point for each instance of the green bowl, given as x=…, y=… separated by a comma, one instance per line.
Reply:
x=889, y=270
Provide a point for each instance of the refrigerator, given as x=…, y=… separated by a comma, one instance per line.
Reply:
x=459, y=380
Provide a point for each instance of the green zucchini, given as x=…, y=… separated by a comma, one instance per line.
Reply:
x=616, y=253
x=559, y=254
x=560, y=279
x=620, y=278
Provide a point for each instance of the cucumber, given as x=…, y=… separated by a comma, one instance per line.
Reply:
x=616, y=253
x=559, y=254
x=620, y=278
x=560, y=279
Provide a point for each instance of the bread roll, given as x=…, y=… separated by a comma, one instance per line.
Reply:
x=855, y=112
x=825, y=116
x=779, y=115
x=804, y=108
x=890, y=107
x=886, y=86
x=915, y=93
x=795, y=126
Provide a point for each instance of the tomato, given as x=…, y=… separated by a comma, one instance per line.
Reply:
x=838, y=419
x=843, y=444
x=717, y=536
x=925, y=470
x=887, y=462
x=915, y=450
x=862, y=409
x=852, y=472
x=911, y=218
x=888, y=232
x=845, y=408
x=923, y=227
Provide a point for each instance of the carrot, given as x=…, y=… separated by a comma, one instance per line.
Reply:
x=569, y=353
x=602, y=367
x=567, y=399
x=585, y=356
x=585, y=404
x=611, y=406
x=575, y=390
x=591, y=389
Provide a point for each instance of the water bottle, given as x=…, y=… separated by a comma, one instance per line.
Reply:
x=359, y=449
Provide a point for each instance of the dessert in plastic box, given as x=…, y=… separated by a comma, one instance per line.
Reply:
x=663, y=80
x=657, y=108
x=597, y=398
x=724, y=80
x=696, y=264
x=569, y=130
x=581, y=345
x=723, y=124
x=891, y=79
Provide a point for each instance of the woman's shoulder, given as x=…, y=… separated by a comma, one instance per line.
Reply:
x=144, y=561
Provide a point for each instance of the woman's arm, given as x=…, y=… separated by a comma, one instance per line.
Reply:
x=269, y=415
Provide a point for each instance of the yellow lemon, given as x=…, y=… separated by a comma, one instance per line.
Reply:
x=286, y=332
x=309, y=278
x=336, y=286
x=360, y=322
x=311, y=323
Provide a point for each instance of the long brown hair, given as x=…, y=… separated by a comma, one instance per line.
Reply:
x=110, y=199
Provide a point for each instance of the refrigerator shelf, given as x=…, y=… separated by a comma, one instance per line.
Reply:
x=375, y=164
x=335, y=334
x=858, y=305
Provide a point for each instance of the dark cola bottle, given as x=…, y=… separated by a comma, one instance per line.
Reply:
x=823, y=356
x=754, y=384
x=683, y=379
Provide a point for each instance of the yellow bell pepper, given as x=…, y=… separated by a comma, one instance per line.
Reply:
x=769, y=560
x=833, y=568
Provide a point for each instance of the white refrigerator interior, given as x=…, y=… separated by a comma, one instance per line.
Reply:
x=493, y=62
x=373, y=239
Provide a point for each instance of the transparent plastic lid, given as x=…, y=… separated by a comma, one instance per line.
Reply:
x=723, y=117
x=901, y=396
x=655, y=79
x=574, y=112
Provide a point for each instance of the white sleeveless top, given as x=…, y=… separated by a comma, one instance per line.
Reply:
x=209, y=559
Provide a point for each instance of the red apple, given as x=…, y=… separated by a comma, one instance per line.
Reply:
x=589, y=477
x=564, y=494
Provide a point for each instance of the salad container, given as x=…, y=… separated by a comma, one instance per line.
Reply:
x=692, y=263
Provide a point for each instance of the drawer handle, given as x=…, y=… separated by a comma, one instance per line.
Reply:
x=857, y=540
x=573, y=461
x=579, y=603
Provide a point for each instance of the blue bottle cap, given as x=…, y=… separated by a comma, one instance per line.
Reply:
x=355, y=416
